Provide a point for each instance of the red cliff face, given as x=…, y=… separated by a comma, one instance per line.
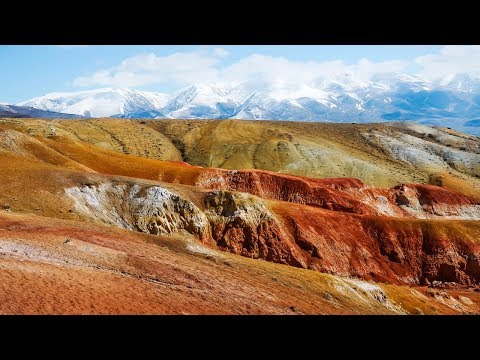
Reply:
x=408, y=234
x=242, y=224
x=379, y=248
x=346, y=194
x=324, y=193
x=411, y=234
x=371, y=233
x=384, y=249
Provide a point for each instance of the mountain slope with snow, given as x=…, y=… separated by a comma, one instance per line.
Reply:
x=101, y=102
x=341, y=98
x=14, y=111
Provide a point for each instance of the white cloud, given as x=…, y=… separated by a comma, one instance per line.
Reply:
x=143, y=69
x=279, y=68
x=208, y=65
x=221, y=52
x=365, y=69
x=450, y=60
x=282, y=69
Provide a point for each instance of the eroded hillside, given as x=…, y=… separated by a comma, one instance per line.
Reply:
x=378, y=154
x=97, y=200
x=381, y=155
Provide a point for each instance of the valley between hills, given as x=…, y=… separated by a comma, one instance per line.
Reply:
x=120, y=216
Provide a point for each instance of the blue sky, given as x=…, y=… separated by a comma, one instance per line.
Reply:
x=30, y=71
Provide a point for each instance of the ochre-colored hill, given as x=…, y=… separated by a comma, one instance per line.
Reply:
x=382, y=155
x=378, y=154
x=151, y=225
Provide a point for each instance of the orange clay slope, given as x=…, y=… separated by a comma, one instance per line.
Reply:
x=51, y=266
x=313, y=236
x=380, y=155
x=342, y=194
x=410, y=234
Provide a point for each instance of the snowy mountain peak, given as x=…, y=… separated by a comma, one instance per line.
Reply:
x=99, y=102
x=204, y=92
x=342, y=97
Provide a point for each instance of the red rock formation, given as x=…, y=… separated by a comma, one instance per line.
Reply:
x=324, y=193
x=241, y=224
x=345, y=194
x=339, y=226
x=346, y=237
x=384, y=249
x=380, y=248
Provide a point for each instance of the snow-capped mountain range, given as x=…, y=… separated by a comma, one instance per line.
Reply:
x=453, y=103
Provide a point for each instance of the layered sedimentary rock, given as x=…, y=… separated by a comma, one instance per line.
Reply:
x=407, y=234
x=393, y=249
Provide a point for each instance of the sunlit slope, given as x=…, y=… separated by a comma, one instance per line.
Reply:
x=379, y=154
x=120, y=135
x=96, y=213
x=331, y=225
x=51, y=266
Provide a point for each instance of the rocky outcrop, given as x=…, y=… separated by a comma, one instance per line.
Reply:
x=348, y=195
x=149, y=209
x=396, y=250
x=428, y=201
x=242, y=224
x=236, y=222
x=386, y=249
x=314, y=192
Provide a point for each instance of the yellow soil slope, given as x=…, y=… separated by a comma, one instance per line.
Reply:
x=380, y=155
